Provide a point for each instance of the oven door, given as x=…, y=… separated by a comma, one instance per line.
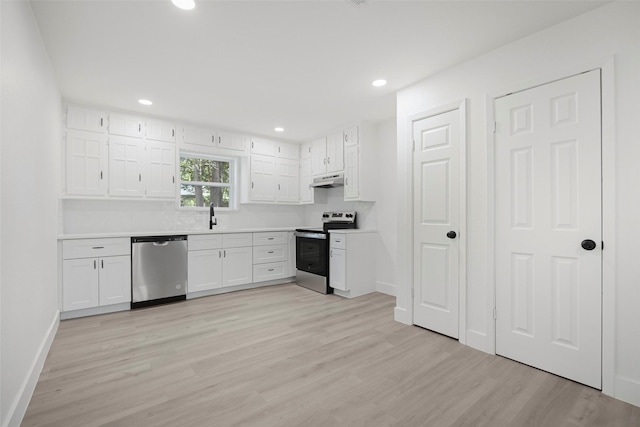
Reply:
x=312, y=261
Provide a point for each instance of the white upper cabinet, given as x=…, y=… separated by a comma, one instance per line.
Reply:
x=306, y=178
x=126, y=125
x=263, y=179
x=263, y=147
x=319, y=156
x=198, y=136
x=335, y=152
x=350, y=136
x=288, y=180
x=126, y=159
x=161, y=169
x=160, y=130
x=351, y=172
x=361, y=172
x=88, y=119
x=232, y=141
x=86, y=156
x=305, y=151
x=286, y=150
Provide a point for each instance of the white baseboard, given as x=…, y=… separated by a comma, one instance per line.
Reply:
x=401, y=315
x=386, y=288
x=627, y=390
x=19, y=407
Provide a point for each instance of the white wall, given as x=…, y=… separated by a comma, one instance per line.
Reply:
x=387, y=207
x=31, y=111
x=596, y=39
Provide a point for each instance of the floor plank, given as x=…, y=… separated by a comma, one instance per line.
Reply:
x=287, y=356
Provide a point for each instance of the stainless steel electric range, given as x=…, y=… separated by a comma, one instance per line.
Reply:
x=312, y=250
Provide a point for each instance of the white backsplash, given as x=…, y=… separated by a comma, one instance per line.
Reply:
x=113, y=216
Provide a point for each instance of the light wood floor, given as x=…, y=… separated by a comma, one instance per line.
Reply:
x=287, y=356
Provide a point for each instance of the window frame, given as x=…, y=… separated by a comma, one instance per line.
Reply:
x=232, y=184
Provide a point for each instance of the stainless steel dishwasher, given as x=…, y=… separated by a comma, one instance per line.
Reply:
x=158, y=270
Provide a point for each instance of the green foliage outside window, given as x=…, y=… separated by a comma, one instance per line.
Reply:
x=205, y=180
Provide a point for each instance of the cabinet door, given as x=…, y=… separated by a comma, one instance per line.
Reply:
x=79, y=284
x=263, y=147
x=288, y=180
x=199, y=136
x=161, y=169
x=126, y=156
x=204, y=270
x=351, y=172
x=125, y=125
x=263, y=179
x=86, y=163
x=305, y=151
x=159, y=130
x=350, y=136
x=232, y=141
x=288, y=151
x=338, y=269
x=306, y=178
x=114, y=280
x=237, y=266
x=335, y=152
x=81, y=118
x=319, y=156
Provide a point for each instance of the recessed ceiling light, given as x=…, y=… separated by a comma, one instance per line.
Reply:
x=279, y=129
x=145, y=102
x=184, y=4
x=379, y=82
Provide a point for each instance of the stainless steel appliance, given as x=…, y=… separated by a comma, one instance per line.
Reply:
x=312, y=250
x=158, y=270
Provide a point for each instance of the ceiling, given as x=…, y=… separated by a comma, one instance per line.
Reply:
x=252, y=65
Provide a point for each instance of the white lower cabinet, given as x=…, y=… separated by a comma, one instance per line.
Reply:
x=350, y=255
x=89, y=280
x=216, y=261
x=237, y=266
x=270, y=256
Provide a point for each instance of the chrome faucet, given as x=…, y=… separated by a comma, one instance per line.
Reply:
x=212, y=217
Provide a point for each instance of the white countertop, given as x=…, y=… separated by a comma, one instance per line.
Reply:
x=171, y=232
x=191, y=232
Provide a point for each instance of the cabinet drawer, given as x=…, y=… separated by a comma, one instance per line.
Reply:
x=236, y=240
x=273, y=253
x=204, y=241
x=270, y=238
x=88, y=248
x=338, y=241
x=270, y=271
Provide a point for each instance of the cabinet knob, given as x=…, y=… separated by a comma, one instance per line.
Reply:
x=451, y=234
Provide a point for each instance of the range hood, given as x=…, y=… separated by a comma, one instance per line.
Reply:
x=328, y=181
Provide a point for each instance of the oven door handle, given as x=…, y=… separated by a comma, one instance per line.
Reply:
x=310, y=235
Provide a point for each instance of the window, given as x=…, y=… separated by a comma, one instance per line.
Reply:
x=205, y=179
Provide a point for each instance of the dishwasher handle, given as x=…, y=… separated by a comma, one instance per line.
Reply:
x=164, y=243
x=158, y=239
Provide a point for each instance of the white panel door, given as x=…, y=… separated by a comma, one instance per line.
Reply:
x=351, y=172
x=160, y=130
x=82, y=118
x=263, y=178
x=548, y=201
x=86, y=163
x=237, y=266
x=335, y=152
x=306, y=178
x=436, y=222
x=161, y=169
x=79, y=283
x=232, y=141
x=338, y=269
x=288, y=180
x=115, y=279
x=204, y=270
x=125, y=125
x=319, y=156
x=126, y=157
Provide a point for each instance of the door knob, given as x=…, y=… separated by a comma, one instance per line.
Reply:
x=451, y=234
x=588, y=245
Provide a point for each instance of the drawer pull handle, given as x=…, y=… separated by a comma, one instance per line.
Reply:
x=270, y=252
x=338, y=241
x=94, y=264
x=271, y=269
x=98, y=247
x=269, y=238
